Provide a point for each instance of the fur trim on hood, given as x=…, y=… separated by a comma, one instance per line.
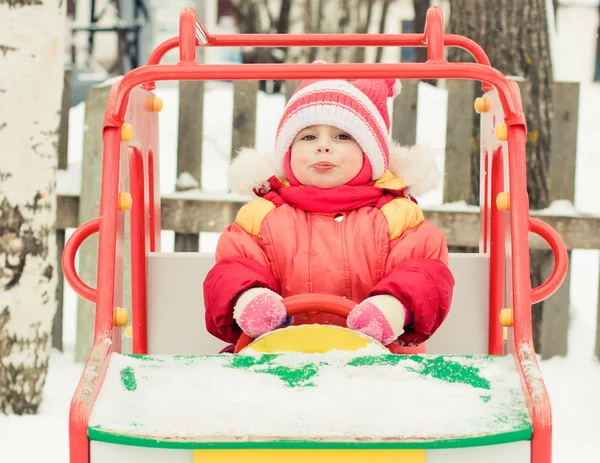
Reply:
x=251, y=169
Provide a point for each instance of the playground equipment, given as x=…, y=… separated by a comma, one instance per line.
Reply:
x=314, y=392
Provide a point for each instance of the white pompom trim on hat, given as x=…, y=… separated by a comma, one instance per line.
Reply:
x=251, y=169
x=417, y=166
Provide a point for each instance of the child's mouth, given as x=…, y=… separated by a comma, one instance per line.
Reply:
x=323, y=166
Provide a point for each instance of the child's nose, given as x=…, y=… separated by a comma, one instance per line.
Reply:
x=323, y=147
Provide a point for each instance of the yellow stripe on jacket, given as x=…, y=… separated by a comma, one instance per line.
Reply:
x=401, y=214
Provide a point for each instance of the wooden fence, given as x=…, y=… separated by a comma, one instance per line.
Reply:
x=188, y=217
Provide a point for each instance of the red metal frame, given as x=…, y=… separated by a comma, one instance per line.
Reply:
x=68, y=259
x=485, y=206
x=145, y=234
x=561, y=260
x=138, y=251
x=497, y=227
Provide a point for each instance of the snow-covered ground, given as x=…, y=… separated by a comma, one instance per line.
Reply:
x=572, y=381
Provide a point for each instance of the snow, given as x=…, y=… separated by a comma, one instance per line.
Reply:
x=588, y=3
x=186, y=181
x=572, y=381
x=339, y=396
x=560, y=207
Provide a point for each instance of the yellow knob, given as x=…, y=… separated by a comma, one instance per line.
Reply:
x=501, y=132
x=482, y=105
x=120, y=316
x=126, y=132
x=503, y=201
x=125, y=201
x=157, y=104
x=154, y=104
x=129, y=331
x=506, y=317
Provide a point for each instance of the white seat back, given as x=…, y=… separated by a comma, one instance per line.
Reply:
x=176, y=306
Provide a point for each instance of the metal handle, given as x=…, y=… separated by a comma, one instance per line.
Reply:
x=561, y=260
x=68, y=259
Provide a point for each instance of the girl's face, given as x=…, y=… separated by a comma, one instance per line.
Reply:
x=325, y=156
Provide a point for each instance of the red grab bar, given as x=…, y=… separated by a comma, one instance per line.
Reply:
x=68, y=259
x=193, y=33
x=561, y=260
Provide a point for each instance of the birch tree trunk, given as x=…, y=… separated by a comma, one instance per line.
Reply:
x=31, y=81
x=514, y=34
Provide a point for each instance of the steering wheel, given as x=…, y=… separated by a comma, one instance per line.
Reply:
x=315, y=303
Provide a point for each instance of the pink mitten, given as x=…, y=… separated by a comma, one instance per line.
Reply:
x=382, y=317
x=258, y=311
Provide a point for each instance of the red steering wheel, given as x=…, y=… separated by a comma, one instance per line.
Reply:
x=316, y=303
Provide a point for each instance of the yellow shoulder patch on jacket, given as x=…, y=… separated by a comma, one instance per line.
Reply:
x=402, y=214
x=390, y=181
x=250, y=217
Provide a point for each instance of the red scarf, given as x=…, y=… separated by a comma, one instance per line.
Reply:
x=338, y=199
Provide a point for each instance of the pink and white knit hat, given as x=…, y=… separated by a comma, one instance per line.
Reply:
x=358, y=107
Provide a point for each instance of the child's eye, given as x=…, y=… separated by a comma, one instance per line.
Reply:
x=308, y=137
x=344, y=136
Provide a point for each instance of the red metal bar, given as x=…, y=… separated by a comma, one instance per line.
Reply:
x=154, y=229
x=534, y=387
x=161, y=50
x=434, y=34
x=68, y=259
x=107, y=244
x=561, y=260
x=513, y=114
x=138, y=252
x=325, y=40
x=497, y=226
x=83, y=400
x=187, y=36
x=485, y=210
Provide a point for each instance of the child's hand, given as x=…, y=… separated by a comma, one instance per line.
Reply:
x=381, y=317
x=258, y=311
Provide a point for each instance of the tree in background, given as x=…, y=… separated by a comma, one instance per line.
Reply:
x=420, y=7
x=31, y=81
x=515, y=36
x=342, y=17
x=316, y=17
x=258, y=17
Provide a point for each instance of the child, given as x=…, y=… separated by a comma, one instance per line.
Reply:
x=334, y=215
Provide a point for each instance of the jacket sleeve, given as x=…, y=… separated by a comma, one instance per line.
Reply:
x=241, y=264
x=417, y=274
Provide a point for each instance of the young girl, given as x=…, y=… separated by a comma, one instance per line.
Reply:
x=335, y=215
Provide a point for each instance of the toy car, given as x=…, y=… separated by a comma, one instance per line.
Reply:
x=310, y=392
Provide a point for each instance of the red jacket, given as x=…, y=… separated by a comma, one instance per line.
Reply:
x=363, y=252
